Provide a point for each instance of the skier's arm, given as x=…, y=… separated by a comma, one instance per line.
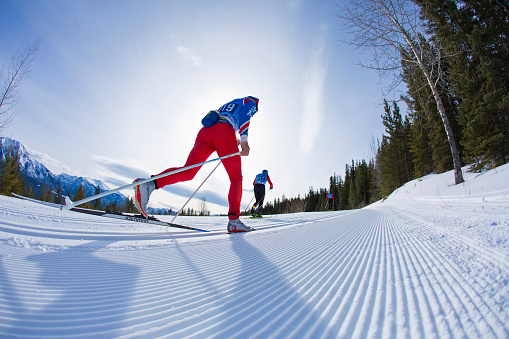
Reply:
x=245, y=113
x=245, y=149
x=270, y=182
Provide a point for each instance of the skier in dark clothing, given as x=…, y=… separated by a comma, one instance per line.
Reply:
x=330, y=200
x=259, y=191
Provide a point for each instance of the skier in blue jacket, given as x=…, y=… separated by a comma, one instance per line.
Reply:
x=259, y=191
x=330, y=200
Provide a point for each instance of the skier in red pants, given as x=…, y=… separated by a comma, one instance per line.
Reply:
x=218, y=134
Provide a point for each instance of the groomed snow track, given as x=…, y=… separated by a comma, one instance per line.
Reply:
x=372, y=273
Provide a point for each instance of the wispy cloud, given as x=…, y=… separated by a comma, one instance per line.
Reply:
x=294, y=5
x=190, y=55
x=53, y=165
x=119, y=169
x=314, y=78
x=119, y=173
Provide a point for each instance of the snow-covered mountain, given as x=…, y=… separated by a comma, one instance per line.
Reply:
x=31, y=167
x=36, y=174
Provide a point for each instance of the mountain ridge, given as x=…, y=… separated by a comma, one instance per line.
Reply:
x=37, y=175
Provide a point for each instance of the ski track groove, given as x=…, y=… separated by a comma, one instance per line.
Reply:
x=423, y=292
x=461, y=290
x=444, y=294
x=406, y=308
x=309, y=262
x=368, y=274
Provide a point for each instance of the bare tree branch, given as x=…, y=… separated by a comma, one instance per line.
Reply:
x=16, y=73
x=387, y=28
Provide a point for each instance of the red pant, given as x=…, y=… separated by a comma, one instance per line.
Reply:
x=222, y=139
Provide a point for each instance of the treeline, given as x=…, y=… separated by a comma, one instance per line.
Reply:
x=358, y=189
x=471, y=40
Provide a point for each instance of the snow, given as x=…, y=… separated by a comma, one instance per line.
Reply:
x=430, y=261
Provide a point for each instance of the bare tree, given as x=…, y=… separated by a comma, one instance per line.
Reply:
x=203, y=206
x=15, y=73
x=385, y=28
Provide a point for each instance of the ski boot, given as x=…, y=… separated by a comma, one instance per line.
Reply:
x=237, y=226
x=142, y=194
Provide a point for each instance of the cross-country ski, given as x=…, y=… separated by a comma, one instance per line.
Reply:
x=114, y=215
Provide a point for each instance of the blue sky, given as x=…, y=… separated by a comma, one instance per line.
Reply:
x=119, y=88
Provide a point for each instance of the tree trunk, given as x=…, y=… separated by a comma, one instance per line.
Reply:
x=458, y=175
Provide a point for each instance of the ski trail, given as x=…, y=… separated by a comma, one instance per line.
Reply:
x=368, y=273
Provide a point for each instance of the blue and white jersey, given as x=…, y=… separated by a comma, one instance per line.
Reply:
x=238, y=113
x=261, y=179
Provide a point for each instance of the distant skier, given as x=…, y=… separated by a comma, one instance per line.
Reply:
x=217, y=134
x=330, y=200
x=259, y=191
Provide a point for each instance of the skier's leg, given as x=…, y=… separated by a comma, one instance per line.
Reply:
x=260, y=195
x=225, y=142
x=254, y=209
x=202, y=149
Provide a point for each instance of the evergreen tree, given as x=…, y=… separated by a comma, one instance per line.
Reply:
x=130, y=206
x=420, y=143
x=345, y=199
x=23, y=183
x=311, y=201
x=10, y=173
x=29, y=191
x=363, y=184
x=58, y=196
x=394, y=157
x=97, y=204
x=81, y=194
x=45, y=193
x=335, y=184
x=476, y=34
x=352, y=194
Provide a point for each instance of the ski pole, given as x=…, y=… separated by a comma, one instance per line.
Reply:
x=177, y=214
x=69, y=204
x=248, y=205
x=261, y=199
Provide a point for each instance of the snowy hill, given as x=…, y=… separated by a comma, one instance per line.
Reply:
x=431, y=261
x=37, y=174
